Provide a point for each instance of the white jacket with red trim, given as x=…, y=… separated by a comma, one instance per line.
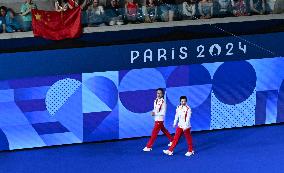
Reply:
x=160, y=107
x=183, y=115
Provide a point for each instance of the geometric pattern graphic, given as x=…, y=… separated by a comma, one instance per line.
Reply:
x=139, y=85
x=234, y=82
x=100, y=110
x=233, y=96
x=66, y=109
x=25, y=121
x=137, y=91
x=267, y=107
x=195, y=82
x=228, y=116
x=280, y=104
x=59, y=93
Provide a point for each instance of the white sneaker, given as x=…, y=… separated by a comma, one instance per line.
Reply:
x=146, y=149
x=189, y=153
x=170, y=144
x=168, y=152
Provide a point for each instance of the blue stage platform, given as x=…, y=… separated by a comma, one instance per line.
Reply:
x=252, y=150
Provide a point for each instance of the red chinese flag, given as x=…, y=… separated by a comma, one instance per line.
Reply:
x=55, y=25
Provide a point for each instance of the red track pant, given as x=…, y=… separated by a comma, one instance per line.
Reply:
x=159, y=125
x=187, y=137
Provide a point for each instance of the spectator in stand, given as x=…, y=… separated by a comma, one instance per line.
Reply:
x=167, y=10
x=131, y=11
x=189, y=9
x=96, y=14
x=62, y=5
x=171, y=9
x=239, y=8
x=2, y=20
x=74, y=3
x=85, y=4
x=257, y=6
x=114, y=13
x=223, y=8
x=12, y=25
x=26, y=14
x=205, y=8
x=150, y=11
x=162, y=11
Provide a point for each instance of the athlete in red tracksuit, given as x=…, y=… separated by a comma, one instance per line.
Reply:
x=183, y=115
x=159, y=114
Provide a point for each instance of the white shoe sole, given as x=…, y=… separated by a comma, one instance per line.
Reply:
x=148, y=150
x=189, y=155
x=166, y=152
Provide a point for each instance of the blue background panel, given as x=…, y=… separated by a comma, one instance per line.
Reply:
x=85, y=107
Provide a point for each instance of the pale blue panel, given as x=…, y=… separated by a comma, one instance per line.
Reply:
x=31, y=93
x=7, y=95
x=134, y=124
x=271, y=108
x=60, y=138
x=212, y=67
x=196, y=94
x=112, y=75
x=228, y=116
x=269, y=73
x=23, y=136
x=142, y=79
x=39, y=117
x=11, y=115
x=91, y=103
x=70, y=114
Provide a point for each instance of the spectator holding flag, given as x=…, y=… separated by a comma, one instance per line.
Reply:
x=62, y=5
x=73, y=3
x=57, y=25
x=85, y=4
x=26, y=14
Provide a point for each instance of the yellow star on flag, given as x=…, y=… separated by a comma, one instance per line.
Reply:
x=38, y=16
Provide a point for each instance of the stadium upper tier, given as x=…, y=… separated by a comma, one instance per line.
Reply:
x=183, y=23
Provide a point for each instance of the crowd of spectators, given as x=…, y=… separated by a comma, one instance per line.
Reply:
x=96, y=14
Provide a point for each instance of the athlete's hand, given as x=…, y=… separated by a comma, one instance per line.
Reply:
x=153, y=114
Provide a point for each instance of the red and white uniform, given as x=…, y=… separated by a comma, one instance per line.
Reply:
x=160, y=111
x=183, y=115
